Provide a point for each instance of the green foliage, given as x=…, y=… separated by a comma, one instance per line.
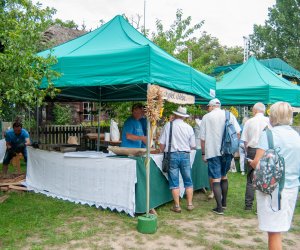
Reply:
x=21, y=25
x=67, y=24
x=62, y=114
x=207, y=52
x=296, y=120
x=119, y=111
x=280, y=35
x=29, y=123
x=193, y=110
x=179, y=33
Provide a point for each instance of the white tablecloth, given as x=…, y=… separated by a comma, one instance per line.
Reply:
x=2, y=149
x=103, y=182
x=157, y=158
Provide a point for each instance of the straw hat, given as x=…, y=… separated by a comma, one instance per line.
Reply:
x=181, y=111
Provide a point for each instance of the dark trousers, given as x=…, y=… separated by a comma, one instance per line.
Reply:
x=10, y=153
x=249, y=195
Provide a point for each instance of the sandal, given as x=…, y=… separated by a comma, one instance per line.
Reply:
x=176, y=209
x=152, y=211
x=190, y=207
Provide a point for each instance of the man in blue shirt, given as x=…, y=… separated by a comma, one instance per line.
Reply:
x=132, y=133
x=16, y=139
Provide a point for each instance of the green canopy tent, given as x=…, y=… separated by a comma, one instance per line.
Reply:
x=277, y=65
x=120, y=60
x=253, y=82
x=115, y=62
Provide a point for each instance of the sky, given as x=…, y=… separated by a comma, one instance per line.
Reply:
x=227, y=20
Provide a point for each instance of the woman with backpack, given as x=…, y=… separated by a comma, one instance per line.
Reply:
x=274, y=213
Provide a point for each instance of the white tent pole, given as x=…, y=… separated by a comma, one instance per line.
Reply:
x=148, y=164
x=37, y=121
x=99, y=113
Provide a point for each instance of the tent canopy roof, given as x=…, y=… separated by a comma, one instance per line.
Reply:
x=120, y=60
x=253, y=82
x=275, y=64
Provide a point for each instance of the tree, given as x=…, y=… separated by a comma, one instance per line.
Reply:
x=177, y=36
x=280, y=35
x=67, y=24
x=62, y=114
x=207, y=52
x=22, y=71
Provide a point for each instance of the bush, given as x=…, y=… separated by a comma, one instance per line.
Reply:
x=296, y=120
x=62, y=114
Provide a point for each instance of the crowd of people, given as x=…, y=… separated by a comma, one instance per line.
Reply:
x=253, y=144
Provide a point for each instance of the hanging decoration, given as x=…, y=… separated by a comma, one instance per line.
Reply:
x=155, y=104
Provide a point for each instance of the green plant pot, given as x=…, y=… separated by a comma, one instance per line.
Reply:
x=147, y=224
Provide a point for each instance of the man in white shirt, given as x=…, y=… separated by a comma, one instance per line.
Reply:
x=183, y=140
x=211, y=134
x=251, y=133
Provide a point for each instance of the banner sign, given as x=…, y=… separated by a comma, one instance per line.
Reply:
x=212, y=93
x=176, y=97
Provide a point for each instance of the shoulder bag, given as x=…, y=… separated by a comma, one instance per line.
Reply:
x=166, y=159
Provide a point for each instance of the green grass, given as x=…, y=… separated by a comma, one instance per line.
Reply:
x=36, y=221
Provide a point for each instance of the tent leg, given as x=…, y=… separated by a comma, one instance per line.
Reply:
x=147, y=224
x=37, y=123
x=98, y=125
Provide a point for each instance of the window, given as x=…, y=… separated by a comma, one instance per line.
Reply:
x=87, y=108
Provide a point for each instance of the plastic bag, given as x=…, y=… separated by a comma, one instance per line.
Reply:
x=114, y=131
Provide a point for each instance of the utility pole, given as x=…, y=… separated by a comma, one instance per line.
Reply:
x=246, y=48
x=190, y=56
x=144, y=17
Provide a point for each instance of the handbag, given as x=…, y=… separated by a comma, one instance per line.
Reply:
x=167, y=155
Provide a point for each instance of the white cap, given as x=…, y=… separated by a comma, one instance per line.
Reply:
x=214, y=102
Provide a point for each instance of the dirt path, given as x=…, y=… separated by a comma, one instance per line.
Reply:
x=213, y=232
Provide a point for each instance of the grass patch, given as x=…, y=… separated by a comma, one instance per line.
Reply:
x=257, y=239
x=35, y=221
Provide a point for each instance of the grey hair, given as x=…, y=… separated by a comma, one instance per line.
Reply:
x=260, y=107
x=281, y=113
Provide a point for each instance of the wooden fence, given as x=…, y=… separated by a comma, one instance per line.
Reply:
x=57, y=134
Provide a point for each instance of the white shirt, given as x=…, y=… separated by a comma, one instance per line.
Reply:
x=212, y=130
x=253, y=129
x=183, y=137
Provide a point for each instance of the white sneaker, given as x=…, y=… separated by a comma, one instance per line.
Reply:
x=242, y=173
x=211, y=195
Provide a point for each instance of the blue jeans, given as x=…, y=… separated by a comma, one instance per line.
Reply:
x=219, y=166
x=180, y=161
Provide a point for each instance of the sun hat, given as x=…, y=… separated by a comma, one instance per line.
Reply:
x=214, y=102
x=181, y=111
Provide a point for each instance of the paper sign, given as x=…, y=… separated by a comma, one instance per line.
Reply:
x=176, y=97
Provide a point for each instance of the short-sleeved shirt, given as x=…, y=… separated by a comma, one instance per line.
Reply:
x=14, y=139
x=143, y=121
x=288, y=140
x=253, y=129
x=212, y=129
x=183, y=137
x=132, y=126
